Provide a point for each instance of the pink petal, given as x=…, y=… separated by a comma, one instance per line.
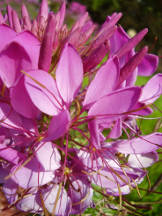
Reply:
x=10, y=154
x=141, y=109
x=98, y=88
x=69, y=74
x=131, y=65
x=60, y=16
x=143, y=144
x=152, y=90
x=142, y=160
x=43, y=12
x=32, y=174
x=56, y=196
x=7, y=34
x=42, y=90
x=118, y=39
x=48, y=156
x=31, y=45
x=116, y=103
x=25, y=17
x=115, y=191
x=81, y=196
x=9, y=189
x=29, y=204
x=16, y=22
x=58, y=125
x=131, y=43
x=21, y=102
x=8, y=117
x=149, y=65
x=105, y=177
x=46, y=50
x=11, y=63
x=116, y=131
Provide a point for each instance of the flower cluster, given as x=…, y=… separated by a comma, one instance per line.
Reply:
x=66, y=97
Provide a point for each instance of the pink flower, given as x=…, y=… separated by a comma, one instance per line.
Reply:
x=63, y=110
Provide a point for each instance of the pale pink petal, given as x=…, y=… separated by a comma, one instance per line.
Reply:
x=48, y=156
x=69, y=74
x=29, y=204
x=115, y=191
x=143, y=144
x=152, y=90
x=56, y=196
x=33, y=175
x=8, y=117
x=107, y=178
x=42, y=90
x=142, y=160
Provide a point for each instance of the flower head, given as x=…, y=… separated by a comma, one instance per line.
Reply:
x=66, y=97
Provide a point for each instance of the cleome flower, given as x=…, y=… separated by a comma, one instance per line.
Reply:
x=67, y=97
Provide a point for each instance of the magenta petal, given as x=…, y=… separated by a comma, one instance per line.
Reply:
x=131, y=43
x=131, y=65
x=42, y=90
x=143, y=144
x=118, y=39
x=21, y=101
x=10, y=154
x=58, y=125
x=116, y=131
x=7, y=34
x=95, y=133
x=69, y=74
x=152, y=90
x=31, y=45
x=141, y=109
x=46, y=50
x=11, y=63
x=149, y=65
x=116, y=103
x=98, y=88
